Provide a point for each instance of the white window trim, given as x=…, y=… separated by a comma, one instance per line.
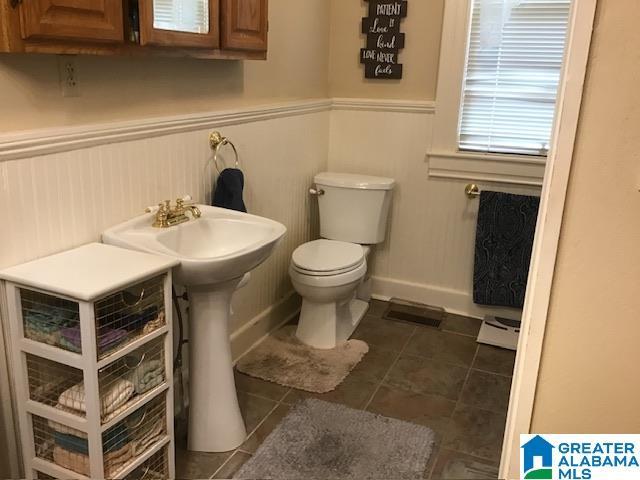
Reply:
x=444, y=157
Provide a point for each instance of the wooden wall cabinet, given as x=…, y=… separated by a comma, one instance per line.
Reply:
x=89, y=20
x=237, y=29
x=244, y=24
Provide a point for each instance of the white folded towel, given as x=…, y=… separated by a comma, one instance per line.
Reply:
x=118, y=393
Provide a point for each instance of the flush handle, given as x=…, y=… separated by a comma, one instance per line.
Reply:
x=318, y=192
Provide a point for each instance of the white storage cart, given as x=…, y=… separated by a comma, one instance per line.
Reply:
x=92, y=353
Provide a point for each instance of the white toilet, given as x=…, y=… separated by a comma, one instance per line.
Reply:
x=329, y=273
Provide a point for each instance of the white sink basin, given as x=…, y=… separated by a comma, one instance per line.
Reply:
x=215, y=252
x=219, y=246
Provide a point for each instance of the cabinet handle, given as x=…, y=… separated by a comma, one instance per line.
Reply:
x=319, y=192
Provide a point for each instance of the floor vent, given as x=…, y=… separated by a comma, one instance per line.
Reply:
x=425, y=315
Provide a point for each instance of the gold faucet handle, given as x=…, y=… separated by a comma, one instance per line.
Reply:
x=159, y=208
x=186, y=200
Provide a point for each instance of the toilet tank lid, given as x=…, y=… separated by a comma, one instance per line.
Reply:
x=351, y=180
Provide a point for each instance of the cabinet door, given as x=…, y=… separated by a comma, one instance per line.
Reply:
x=180, y=23
x=88, y=20
x=244, y=24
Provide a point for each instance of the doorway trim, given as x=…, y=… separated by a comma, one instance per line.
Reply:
x=545, y=247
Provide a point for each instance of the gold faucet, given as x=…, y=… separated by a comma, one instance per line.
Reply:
x=168, y=216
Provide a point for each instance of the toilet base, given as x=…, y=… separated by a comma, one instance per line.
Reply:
x=326, y=325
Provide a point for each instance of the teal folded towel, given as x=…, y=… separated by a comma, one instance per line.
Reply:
x=114, y=439
x=48, y=319
x=147, y=375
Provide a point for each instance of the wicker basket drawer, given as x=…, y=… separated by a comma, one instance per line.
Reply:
x=120, y=318
x=46, y=317
x=129, y=314
x=122, y=444
x=155, y=468
x=120, y=383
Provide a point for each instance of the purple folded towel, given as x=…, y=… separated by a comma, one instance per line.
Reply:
x=106, y=337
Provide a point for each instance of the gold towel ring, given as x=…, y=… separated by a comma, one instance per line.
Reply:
x=217, y=141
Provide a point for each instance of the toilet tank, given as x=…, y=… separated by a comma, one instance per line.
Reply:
x=354, y=208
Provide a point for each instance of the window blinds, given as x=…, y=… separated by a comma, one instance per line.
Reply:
x=191, y=16
x=516, y=51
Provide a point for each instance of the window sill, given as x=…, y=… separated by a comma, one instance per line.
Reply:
x=506, y=169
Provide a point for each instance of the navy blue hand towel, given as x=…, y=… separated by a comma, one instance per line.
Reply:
x=504, y=240
x=229, y=188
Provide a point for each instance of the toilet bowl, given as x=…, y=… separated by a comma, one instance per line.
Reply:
x=326, y=274
x=329, y=273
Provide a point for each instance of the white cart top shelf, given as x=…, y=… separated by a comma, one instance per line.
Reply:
x=88, y=272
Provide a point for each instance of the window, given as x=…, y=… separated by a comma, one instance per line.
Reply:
x=514, y=61
x=181, y=15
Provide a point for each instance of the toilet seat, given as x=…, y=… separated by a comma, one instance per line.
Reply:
x=327, y=258
x=328, y=281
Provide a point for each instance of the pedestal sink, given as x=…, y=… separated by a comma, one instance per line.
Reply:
x=215, y=252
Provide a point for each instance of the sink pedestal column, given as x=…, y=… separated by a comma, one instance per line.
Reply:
x=215, y=422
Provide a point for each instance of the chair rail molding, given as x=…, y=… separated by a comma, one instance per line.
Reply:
x=46, y=141
x=32, y=143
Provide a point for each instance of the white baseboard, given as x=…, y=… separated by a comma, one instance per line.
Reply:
x=253, y=332
x=453, y=301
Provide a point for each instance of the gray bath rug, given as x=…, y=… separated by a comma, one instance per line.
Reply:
x=319, y=440
x=285, y=360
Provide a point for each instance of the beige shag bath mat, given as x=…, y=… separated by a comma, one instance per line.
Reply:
x=285, y=360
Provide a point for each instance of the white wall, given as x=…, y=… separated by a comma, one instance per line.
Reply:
x=428, y=256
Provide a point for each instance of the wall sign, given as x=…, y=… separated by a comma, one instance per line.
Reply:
x=384, y=39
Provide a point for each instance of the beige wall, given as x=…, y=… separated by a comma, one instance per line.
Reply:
x=588, y=380
x=422, y=27
x=125, y=88
x=4, y=460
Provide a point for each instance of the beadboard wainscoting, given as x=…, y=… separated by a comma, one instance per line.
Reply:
x=61, y=188
x=428, y=255
x=56, y=201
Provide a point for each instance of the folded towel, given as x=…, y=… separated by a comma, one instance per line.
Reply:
x=38, y=335
x=119, y=392
x=116, y=453
x=154, y=324
x=504, y=240
x=67, y=345
x=147, y=375
x=79, y=462
x=229, y=188
x=138, y=319
x=48, y=318
x=114, y=439
x=146, y=435
x=71, y=442
x=107, y=337
x=42, y=323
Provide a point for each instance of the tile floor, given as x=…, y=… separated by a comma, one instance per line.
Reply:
x=440, y=378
